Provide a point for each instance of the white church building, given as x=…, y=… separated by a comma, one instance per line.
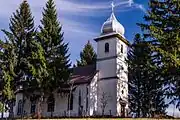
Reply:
x=100, y=89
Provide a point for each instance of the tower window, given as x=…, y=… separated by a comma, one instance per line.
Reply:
x=122, y=49
x=106, y=47
x=122, y=92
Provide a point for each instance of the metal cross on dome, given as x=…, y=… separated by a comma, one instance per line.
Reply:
x=112, y=5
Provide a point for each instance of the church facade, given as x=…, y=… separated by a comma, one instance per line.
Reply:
x=100, y=89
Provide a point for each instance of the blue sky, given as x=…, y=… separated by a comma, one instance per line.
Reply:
x=82, y=19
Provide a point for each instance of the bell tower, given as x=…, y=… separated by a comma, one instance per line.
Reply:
x=112, y=50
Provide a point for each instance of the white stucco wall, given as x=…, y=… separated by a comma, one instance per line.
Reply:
x=27, y=105
x=19, y=96
x=107, y=68
x=118, y=49
x=82, y=90
x=110, y=65
x=122, y=83
x=101, y=48
x=107, y=93
x=61, y=105
x=93, y=96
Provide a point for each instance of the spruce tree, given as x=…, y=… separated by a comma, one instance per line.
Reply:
x=7, y=62
x=87, y=56
x=21, y=34
x=145, y=86
x=55, y=49
x=163, y=31
x=28, y=55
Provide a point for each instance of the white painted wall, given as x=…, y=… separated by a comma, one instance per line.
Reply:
x=107, y=93
x=108, y=67
x=101, y=45
x=118, y=49
x=61, y=102
x=82, y=90
x=19, y=96
x=61, y=105
x=122, y=82
x=93, y=96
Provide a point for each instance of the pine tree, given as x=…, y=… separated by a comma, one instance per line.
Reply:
x=38, y=71
x=145, y=83
x=28, y=56
x=56, y=50
x=21, y=35
x=163, y=30
x=7, y=60
x=88, y=55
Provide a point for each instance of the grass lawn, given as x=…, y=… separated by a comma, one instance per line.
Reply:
x=103, y=119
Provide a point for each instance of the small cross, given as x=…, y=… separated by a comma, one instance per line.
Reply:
x=112, y=5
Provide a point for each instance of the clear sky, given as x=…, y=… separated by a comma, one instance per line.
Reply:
x=82, y=19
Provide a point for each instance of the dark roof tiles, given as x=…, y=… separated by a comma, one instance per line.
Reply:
x=83, y=74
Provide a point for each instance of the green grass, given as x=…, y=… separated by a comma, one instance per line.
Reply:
x=102, y=119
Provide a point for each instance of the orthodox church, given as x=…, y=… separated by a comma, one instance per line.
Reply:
x=100, y=89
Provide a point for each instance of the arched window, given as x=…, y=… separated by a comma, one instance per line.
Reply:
x=33, y=107
x=87, y=94
x=20, y=107
x=122, y=49
x=80, y=105
x=106, y=47
x=70, y=101
x=50, y=103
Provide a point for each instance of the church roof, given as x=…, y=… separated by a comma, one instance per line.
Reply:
x=83, y=74
x=80, y=75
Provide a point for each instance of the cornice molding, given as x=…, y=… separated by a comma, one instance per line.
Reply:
x=103, y=37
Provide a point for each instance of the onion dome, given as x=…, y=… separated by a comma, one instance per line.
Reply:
x=112, y=25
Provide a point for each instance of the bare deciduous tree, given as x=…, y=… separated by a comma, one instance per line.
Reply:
x=104, y=101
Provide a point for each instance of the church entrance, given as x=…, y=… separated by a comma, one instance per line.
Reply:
x=123, y=109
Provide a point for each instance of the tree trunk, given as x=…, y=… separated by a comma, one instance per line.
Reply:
x=39, y=111
x=103, y=112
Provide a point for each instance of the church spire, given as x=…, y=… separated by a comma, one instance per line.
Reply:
x=112, y=5
x=112, y=17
